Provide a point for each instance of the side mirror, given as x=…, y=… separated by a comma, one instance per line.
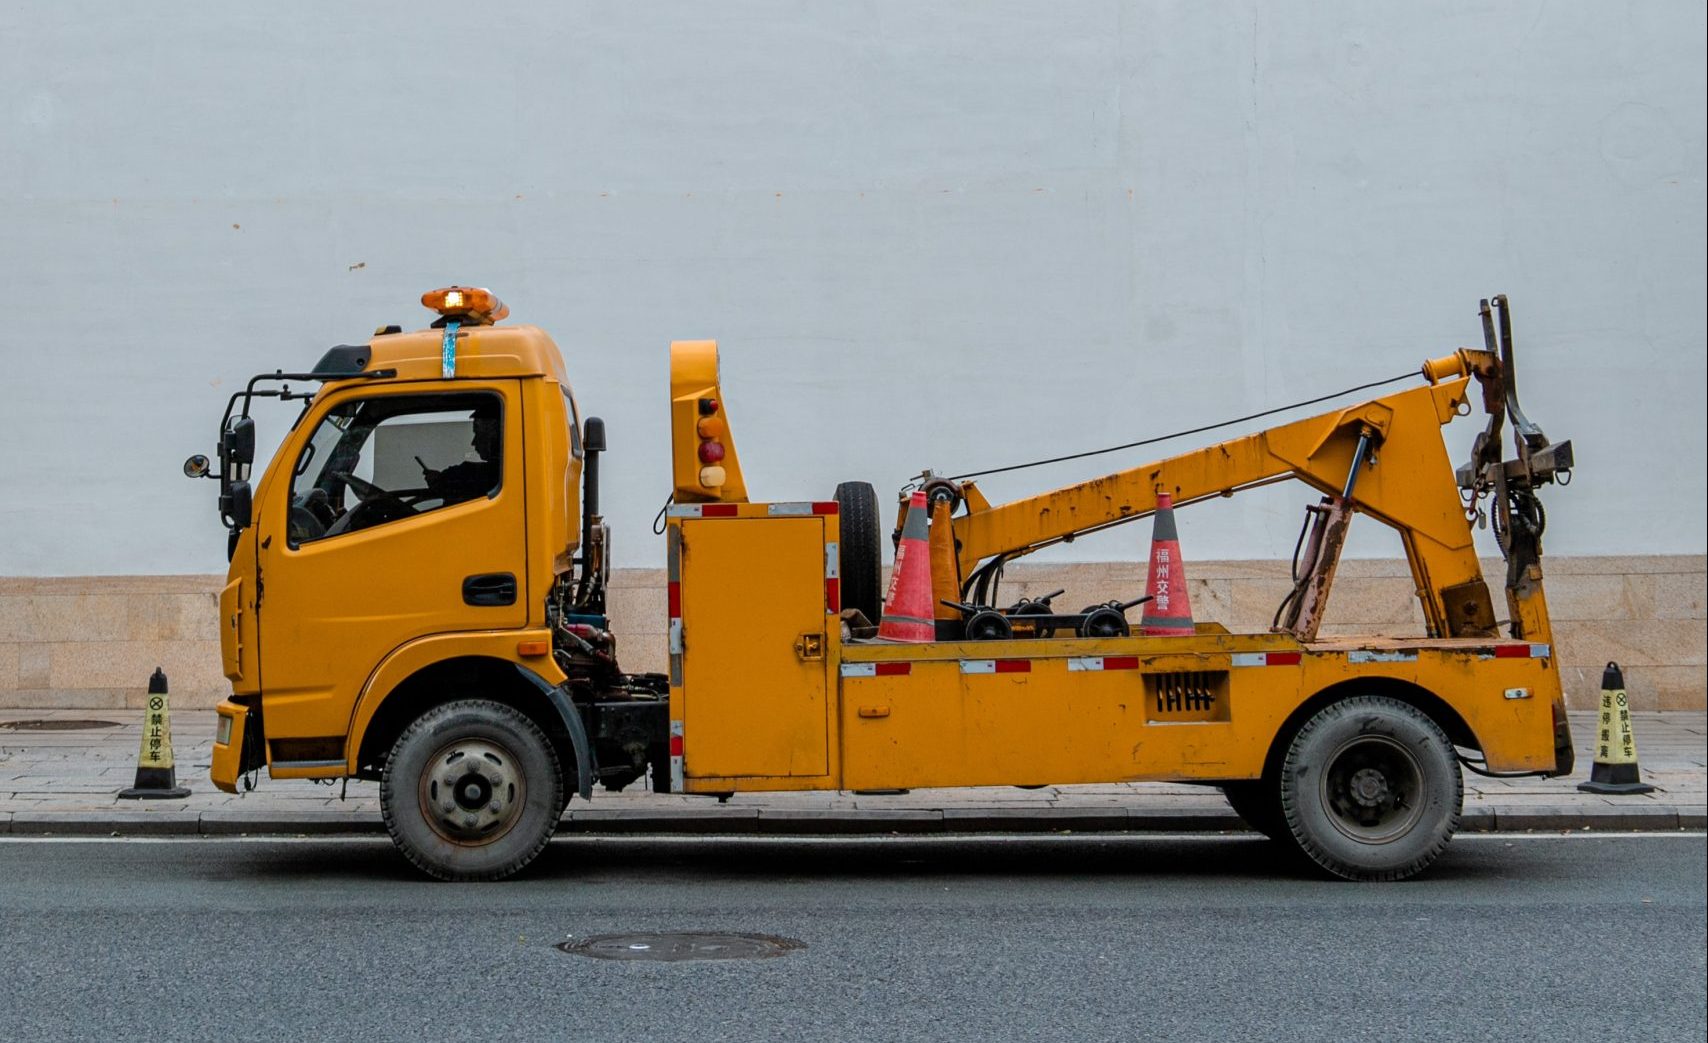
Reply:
x=239, y=441
x=196, y=467
x=237, y=505
x=593, y=435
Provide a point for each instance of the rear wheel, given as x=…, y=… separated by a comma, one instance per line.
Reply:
x=472, y=791
x=1371, y=790
x=860, y=557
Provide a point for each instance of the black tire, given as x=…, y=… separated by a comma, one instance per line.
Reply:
x=1256, y=801
x=472, y=790
x=1370, y=789
x=860, y=557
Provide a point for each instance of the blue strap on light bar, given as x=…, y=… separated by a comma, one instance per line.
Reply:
x=448, y=354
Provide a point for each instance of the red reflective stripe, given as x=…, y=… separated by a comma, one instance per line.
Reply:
x=833, y=594
x=1120, y=662
x=1014, y=666
x=1512, y=651
x=894, y=669
x=717, y=510
x=1281, y=659
x=824, y=508
x=675, y=598
x=676, y=745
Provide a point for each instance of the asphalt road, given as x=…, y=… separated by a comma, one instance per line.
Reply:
x=1096, y=938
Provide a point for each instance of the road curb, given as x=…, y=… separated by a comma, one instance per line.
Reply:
x=826, y=821
x=808, y=821
x=234, y=823
x=661, y=820
x=165, y=822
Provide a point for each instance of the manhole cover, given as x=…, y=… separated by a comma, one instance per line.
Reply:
x=676, y=946
x=55, y=726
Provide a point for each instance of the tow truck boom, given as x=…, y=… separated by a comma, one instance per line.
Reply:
x=1378, y=458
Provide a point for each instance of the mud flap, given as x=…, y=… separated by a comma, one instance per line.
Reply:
x=1564, y=756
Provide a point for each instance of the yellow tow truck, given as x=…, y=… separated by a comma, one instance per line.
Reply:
x=416, y=595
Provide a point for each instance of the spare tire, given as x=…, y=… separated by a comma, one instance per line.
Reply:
x=860, y=557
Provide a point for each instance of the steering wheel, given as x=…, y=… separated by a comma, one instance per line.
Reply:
x=377, y=505
x=365, y=489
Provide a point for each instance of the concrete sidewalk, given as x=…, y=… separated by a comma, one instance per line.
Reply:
x=61, y=769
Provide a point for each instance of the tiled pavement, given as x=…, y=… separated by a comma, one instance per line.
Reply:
x=61, y=779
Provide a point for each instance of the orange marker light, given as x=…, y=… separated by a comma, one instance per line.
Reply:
x=534, y=647
x=469, y=304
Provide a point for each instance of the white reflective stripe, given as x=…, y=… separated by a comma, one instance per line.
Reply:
x=675, y=637
x=676, y=772
x=1540, y=651
x=787, y=510
x=683, y=510
x=1251, y=659
x=1094, y=662
x=1367, y=655
x=859, y=669
x=832, y=559
x=978, y=666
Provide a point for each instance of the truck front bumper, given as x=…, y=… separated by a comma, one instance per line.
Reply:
x=237, y=747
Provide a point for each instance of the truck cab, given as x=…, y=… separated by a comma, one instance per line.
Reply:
x=416, y=538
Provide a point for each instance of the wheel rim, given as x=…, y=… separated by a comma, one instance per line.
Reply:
x=472, y=791
x=1372, y=789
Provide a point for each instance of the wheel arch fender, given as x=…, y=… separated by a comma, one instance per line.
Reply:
x=572, y=723
x=424, y=673
x=1459, y=732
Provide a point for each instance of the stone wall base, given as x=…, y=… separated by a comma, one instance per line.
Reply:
x=90, y=642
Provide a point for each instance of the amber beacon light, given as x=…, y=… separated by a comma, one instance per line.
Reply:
x=468, y=304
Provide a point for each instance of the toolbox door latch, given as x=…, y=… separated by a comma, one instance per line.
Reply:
x=810, y=647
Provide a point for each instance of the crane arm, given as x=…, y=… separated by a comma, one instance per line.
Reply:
x=1384, y=458
x=1405, y=482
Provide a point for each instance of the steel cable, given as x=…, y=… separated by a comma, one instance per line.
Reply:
x=1189, y=431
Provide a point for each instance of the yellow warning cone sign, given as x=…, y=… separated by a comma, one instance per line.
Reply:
x=1615, y=769
x=156, y=777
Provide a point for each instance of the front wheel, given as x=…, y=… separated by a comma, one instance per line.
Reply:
x=471, y=791
x=1371, y=790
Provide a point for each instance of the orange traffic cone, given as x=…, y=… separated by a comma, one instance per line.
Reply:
x=907, y=606
x=1169, y=611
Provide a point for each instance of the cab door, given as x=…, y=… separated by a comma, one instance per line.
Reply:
x=402, y=514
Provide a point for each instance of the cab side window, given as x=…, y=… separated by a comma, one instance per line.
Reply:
x=377, y=460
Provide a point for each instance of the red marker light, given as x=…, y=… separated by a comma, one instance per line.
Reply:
x=708, y=406
x=711, y=452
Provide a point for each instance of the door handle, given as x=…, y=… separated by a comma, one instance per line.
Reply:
x=490, y=588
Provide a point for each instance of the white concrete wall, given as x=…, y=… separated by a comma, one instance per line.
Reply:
x=953, y=235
